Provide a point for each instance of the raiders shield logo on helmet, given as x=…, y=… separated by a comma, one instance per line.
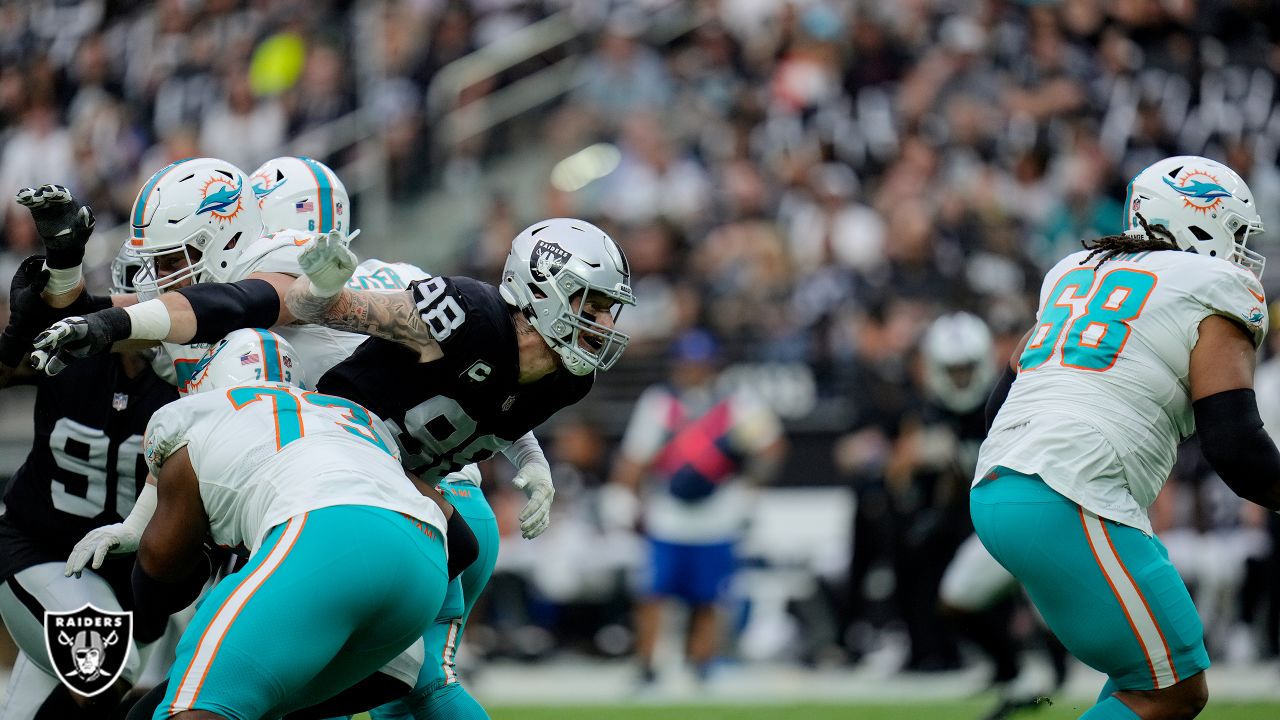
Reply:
x=88, y=647
x=546, y=260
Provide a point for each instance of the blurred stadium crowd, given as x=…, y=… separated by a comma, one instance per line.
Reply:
x=813, y=182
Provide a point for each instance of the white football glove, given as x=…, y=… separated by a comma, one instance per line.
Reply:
x=117, y=539
x=535, y=480
x=328, y=263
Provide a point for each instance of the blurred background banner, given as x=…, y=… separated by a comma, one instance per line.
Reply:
x=803, y=186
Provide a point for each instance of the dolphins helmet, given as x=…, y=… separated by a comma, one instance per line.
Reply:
x=1205, y=205
x=551, y=263
x=958, y=366
x=188, y=221
x=298, y=193
x=246, y=357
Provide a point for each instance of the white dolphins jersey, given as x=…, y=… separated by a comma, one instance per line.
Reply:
x=319, y=348
x=265, y=453
x=1102, y=396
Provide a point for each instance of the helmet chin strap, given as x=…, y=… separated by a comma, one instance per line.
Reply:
x=573, y=362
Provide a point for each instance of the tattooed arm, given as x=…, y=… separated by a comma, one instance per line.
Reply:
x=388, y=315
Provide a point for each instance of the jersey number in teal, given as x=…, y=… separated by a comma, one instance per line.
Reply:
x=1093, y=340
x=288, y=413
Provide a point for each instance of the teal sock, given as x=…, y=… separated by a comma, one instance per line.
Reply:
x=1110, y=709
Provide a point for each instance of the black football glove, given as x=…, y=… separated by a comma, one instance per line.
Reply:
x=79, y=337
x=28, y=313
x=63, y=223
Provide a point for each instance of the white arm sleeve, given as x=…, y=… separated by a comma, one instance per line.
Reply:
x=526, y=450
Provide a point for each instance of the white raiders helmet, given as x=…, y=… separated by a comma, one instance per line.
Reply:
x=298, y=193
x=246, y=357
x=1205, y=205
x=553, y=261
x=199, y=204
x=958, y=367
x=124, y=268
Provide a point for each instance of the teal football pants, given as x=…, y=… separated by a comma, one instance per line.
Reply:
x=1108, y=591
x=439, y=695
x=331, y=596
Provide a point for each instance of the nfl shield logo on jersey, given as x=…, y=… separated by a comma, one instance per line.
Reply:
x=88, y=647
x=120, y=401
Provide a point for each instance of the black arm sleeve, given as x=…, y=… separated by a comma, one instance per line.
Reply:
x=155, y=600
x=223, y=307
x=998, y=394
x=463, y=546
x=1240, y=451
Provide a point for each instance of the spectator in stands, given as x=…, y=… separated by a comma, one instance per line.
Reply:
x=623, y=76
x=693, y=452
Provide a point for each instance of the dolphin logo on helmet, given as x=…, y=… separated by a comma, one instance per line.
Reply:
x=224, y=202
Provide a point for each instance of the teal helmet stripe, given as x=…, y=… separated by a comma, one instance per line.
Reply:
x=140, y=205
x=326, y=193
x=272, y=369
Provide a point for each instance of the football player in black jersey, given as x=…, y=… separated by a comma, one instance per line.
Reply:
x=464, y=369
x=85, y=470
x=959, y=369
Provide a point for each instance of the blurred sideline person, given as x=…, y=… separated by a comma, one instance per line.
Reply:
x=219, y=266
x=291, y=478
x=693, y=452
x=1141, y=339
x=85, y=470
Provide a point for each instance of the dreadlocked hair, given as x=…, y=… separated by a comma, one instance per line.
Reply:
x=1154, y=237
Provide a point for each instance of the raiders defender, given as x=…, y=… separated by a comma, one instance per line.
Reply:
x=959, y=371
x=85, y=470
x=476, y=368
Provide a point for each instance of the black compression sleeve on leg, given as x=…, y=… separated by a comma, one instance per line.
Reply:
x=998, y=394
x=223, y=307
x=463, y=546
x=1239, y=449
x=155, y=600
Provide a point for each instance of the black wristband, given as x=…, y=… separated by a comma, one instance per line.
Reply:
x=221, y=308
x=115, y=323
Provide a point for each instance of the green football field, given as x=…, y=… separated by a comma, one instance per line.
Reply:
x=962, y=710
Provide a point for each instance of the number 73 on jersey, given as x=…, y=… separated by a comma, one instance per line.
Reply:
x=1086, y=319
